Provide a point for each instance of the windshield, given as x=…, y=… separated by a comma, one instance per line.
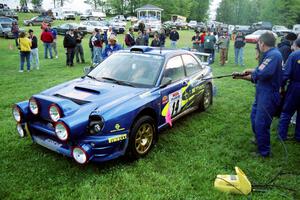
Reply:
x=280, y=28
x=6, y=25
x=137, y=69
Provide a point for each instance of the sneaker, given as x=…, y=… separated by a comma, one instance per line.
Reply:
x=28, y=70
x=21, y=70
x=56, y=57
x=253, y=141
x=37, y=67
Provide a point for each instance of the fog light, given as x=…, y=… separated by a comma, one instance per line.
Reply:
x=79, y=155
x=61, y=131
x=54, y=113
x=21, y=131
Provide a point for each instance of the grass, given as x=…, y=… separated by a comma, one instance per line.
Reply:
x=183, y=164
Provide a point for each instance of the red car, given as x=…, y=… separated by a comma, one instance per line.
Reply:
x=253, y=38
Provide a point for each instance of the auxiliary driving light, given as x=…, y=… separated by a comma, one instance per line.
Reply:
x=61, y=131
x=17, y=113
x=80, y=154
x=33, y=106
x=21, y=131
x=54, y=113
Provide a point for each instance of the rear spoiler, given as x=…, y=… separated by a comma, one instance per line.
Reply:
x=203, y=57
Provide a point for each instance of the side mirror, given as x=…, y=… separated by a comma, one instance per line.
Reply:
x=87, y=70
x=165, y=81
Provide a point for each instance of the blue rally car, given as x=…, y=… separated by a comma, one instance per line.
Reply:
x=119, y=106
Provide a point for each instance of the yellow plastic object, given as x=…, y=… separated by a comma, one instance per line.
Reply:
x=238, y=183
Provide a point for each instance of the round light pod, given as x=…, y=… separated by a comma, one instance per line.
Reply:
x=54, y=113
x=61, y=131
x=33, y=106
x=17, y=113
x=79, y=155
x=21, y=131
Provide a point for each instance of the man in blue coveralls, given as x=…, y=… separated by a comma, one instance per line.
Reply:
x=267, y=77
x=292, y=99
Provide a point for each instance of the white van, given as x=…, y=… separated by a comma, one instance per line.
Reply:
x=296, y=28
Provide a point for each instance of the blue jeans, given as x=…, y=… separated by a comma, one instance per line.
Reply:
x=97, y=55
x=34, y=56
x=173, y=44
x=239, y=55
x=25, y=55
x=46, y=47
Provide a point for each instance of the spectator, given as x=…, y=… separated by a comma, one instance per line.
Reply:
x=202, y=39
x=209, y=45
x=196, y=41
x=162, y=37
x=69, y=45
x=47, y=39
x=110, y=32
x=111, y=47
x=285, y=47
x=54, y=43
x=129, y=38
x=228, y=44
x=223, y=43
x=44, y=25
x=140, y=39
x=78, y=49
x=155, y=42
x=97, y=41
x=25, y=48
x=91, y=44
x=146, y=37
x=239, y=44
x=174, y=36
x=141, y=26
x=34, y=54
x=15, y=31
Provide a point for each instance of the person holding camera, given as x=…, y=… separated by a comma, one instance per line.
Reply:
x=223, y=44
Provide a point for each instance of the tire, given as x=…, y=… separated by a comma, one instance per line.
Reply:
x=142, y=137
x=206, y=100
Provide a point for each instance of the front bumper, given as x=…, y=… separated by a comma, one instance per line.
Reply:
x=101, y=147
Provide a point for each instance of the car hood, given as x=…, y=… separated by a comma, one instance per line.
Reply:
x=104, y=94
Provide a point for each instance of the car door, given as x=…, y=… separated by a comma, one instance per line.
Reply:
x=195, y=88
x=171, y=95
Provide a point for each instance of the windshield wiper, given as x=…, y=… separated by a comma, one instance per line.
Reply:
x=92, y=77
x=119, y=82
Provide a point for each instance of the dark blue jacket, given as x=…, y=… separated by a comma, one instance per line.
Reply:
x=268, y=75
x=285, y=49
x=292, y=69
x=174, y=36
x=109, y=50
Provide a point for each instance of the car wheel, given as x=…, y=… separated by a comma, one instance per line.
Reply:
x=142, y=137
x=206, y=100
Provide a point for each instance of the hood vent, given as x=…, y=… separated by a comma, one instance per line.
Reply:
x=87, y=90
x=77, y=101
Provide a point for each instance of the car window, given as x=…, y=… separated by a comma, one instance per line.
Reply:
x=65, y=26
x=191, y=65
x=174, y=69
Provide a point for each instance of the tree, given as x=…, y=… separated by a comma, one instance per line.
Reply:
x=37, y=2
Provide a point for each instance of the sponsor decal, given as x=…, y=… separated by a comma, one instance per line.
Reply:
x=264, y=64
x=175, y=99
x=164, y=100
x=117, y=138
x=117, y=128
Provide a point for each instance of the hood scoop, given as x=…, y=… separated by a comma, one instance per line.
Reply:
x=85, y=89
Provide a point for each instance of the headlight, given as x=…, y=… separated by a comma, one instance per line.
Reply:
x=79, y=155
x=61, y=131
x=17, y=113
x=54, y=113
x=33, y=106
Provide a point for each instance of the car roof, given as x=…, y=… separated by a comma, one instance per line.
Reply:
x=155, y=51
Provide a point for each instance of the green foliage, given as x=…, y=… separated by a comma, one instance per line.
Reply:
x=235, y=12
x=183, y=164
x=37, y=2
